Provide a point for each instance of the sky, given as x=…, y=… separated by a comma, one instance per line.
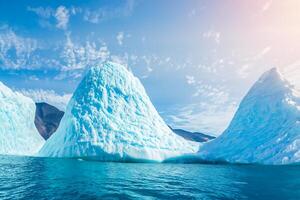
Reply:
x=196, y=58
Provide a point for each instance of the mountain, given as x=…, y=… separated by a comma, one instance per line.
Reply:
x=18, y=135
x=193, y=136
x=47, y=119
x=265, y=128
x=111, y=118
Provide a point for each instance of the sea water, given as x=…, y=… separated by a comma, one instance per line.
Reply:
x=49, y=178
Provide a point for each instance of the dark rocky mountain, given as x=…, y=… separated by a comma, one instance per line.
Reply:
x=47, y=119
x=193, y=136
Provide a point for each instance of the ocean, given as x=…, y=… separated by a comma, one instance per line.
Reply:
x=51, y=178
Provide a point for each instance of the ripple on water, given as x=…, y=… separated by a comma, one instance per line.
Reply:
x=46, y=178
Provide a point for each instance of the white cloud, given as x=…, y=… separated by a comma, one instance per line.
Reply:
x=192, y=13
x=211, y=114
x=216, y=36
x=262, y=53
x=98, y=15
x=204, y=117
x=62, y=17
x=48, y=96
x=41, y=11
x=16, y=51
x=120, y=38
x=292, y=73
x=33, y=78
x=92, y=17
x=249, y=64
x=76, y=57
x=243, y=71
x=190, y=79
x=123, y=60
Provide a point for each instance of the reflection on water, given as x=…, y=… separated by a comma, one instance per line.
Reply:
x=45, y=178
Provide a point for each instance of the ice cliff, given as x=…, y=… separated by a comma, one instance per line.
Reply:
x=18, y=135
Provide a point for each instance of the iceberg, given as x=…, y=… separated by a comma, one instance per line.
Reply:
x=111, y=118
x=18, y=135
x=265, y=128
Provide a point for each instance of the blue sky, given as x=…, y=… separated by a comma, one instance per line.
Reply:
x=196, y=59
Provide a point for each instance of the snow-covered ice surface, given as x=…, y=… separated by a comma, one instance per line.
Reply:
x=111, y=118
x=265, y=129
x=18, y=135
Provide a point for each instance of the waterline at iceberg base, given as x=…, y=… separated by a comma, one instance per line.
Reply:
x=248, y=139
x=93, y=130
x=111, y=118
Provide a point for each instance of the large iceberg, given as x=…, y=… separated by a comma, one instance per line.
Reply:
x=266, y=127
x=111, y=118
x=18, y=135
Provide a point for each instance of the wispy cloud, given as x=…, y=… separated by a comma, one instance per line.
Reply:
x=98, y=15
x=212, y=112
x=120, y=38
x=192, y=13
x=190, y=79
x=262, y=53
x=16, y=51
x=49, y=15
x=76, y=57
x=292, y=73
x=62, y=17
x=48, y=96
x=216, y=36
x=204, y=117
x=245, y=69
x=44, y=12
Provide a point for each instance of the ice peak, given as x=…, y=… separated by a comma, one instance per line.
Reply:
x=271, y=82
x=272, y=75
x=110, y=66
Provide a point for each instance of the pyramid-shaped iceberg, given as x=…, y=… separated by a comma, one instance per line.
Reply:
x=111, y=118
x=266, y=127
x=18, y=135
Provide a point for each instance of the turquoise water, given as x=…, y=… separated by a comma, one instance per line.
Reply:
x=41, y=178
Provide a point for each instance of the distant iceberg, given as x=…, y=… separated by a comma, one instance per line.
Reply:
x=265, y=129
x=111, y=118
x=18, y=135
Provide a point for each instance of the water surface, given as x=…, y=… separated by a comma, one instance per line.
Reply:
x=46, y=178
